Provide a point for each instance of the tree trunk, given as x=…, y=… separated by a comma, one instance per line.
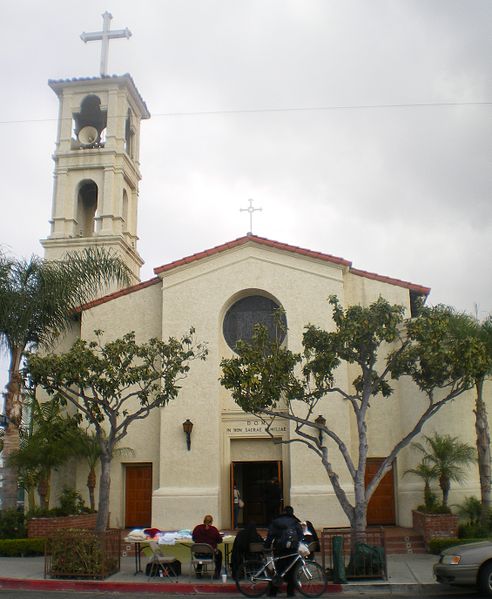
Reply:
x=9, y=488
x=104, y=487
x=13, y=411
x=483, y=449
x=43, y=492
x=91, y=485
x=445, y=485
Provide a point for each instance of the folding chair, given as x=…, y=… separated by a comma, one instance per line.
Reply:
x=160, y=564
x=202, y=559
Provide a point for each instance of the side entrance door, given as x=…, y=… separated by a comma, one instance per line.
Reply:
x=138, y=495
x=381, y=508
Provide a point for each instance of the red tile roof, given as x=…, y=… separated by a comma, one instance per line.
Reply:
x=248, y=239
x=260, y=241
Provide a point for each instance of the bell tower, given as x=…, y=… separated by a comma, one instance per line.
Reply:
x=95, y=192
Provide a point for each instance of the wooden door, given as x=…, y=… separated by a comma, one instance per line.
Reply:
x=381, y=508
x=138, y=495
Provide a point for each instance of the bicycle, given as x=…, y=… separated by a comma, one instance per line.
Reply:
x=255, y=575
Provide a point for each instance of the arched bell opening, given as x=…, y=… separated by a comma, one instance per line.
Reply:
x=90, y=123
x=86, y=208
x=129, y=135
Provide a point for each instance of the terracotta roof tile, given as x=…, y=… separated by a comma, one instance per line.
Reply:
x=248, y=239
x=261, y=241
x=391, y=281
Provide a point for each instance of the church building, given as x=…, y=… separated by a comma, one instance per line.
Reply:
x=167, y=482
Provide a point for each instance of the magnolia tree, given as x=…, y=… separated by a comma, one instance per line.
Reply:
x=380, y=345
x=114, y=385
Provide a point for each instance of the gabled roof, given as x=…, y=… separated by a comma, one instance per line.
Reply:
x=251, y=239
x=418, y=289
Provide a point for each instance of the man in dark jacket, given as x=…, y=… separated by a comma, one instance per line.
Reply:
x=276, y=532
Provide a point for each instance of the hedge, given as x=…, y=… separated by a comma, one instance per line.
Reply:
x=440, y=544
x=21, y=547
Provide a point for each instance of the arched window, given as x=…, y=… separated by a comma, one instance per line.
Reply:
x=86, y=208
x=242, y=316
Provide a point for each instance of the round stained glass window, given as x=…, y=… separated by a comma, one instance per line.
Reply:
x=242, y=316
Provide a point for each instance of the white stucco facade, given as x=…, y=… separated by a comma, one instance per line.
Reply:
x=95, y=202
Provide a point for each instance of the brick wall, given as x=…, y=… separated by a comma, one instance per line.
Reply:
x=42, y=527
x=432, y=526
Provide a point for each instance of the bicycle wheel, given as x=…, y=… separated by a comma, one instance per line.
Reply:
x=252, y=579
x=310, y=579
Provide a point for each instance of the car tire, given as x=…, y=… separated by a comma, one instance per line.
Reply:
x=485, y=579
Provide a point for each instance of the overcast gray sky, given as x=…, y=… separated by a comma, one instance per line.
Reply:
x=384, y=159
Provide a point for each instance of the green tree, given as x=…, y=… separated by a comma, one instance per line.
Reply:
x=468, y=326
x=484, y=333
x=85, y=445
x=427, y=473
x=38, y=299
x=448, y=458
x=45, y=447
x=377, y=345
x=115, y=384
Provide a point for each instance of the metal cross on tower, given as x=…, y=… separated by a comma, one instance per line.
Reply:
x=250, y=209
x=105, y=35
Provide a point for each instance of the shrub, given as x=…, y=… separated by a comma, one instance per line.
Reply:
x=470, y=510
x=470, y=531
x=440, y=544
x=12, y=524
x=434, y=508
x=71, y=502
x=21, y=547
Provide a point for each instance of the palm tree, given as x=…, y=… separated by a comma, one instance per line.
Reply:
x=481, y=332
x=87, y=446
x=47, y=446
x=447, y=456
x=38, y=301
x=484, y=333
x=427, y=473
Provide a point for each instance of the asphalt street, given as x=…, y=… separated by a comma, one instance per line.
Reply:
x=441, y=592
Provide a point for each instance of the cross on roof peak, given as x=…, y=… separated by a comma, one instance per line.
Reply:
x=250, y=209
x=105, y=35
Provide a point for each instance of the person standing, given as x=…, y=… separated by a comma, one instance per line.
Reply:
x=236, y=498
x=283, y=527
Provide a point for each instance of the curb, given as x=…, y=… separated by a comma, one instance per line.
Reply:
x=169, y=588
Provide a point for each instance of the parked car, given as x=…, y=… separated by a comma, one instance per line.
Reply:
x=467, y=565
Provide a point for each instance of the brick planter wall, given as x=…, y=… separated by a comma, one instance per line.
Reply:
x=432, y=526
x=43, y=527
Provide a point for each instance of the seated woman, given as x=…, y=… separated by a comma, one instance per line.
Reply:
x=240, y=548
x=206, y=533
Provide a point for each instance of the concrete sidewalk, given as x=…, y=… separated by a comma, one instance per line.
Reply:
x=406, y=573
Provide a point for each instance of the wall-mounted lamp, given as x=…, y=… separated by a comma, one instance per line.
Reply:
x=4, y=421
x=320, y=421
x=187, y=428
